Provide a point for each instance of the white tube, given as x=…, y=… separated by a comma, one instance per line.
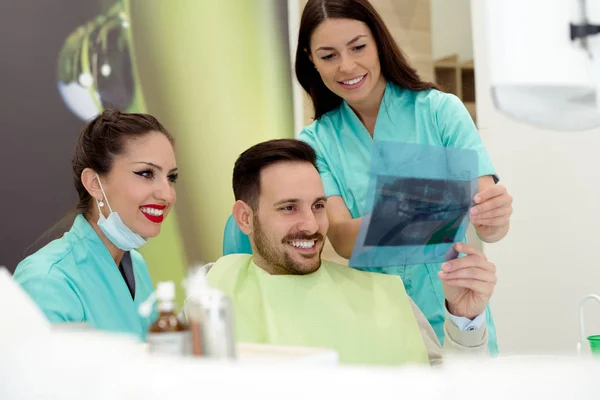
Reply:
x=582, y=337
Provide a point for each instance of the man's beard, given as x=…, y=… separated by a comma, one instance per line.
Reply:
x=281, y=260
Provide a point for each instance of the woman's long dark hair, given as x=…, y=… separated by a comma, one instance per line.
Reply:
x=394, y=66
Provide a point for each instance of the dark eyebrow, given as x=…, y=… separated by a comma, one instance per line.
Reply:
x=347, y=44
x=355, y=39
x=281, y=202
x=295, y=201
x=158, y=167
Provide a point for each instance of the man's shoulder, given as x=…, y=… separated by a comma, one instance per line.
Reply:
x=228, y=265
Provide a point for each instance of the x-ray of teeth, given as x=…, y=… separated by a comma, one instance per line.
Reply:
x=417, y=205
x=415, y=211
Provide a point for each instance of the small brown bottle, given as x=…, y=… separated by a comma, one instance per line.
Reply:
x=167, y=335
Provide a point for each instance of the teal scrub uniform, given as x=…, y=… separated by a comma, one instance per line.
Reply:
x=75, y=279
x=343, y=147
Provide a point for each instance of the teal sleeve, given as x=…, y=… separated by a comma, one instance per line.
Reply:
x=458, y=130
x=53, y=295
x=329, y=183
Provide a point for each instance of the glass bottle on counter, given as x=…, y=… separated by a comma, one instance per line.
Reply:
x=168, y=335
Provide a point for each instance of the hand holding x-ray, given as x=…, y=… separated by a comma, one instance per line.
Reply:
x=492, y=211
x=468, y=282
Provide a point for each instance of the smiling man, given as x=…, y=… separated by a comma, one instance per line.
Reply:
x=285, y=294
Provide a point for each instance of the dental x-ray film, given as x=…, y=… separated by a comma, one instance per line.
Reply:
x=418, y=203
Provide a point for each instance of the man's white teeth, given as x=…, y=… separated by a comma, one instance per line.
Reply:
x=303, y=244
x=152, y=211
x=353, y=81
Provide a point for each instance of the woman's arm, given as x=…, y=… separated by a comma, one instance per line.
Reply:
x=343, y=229
x=491, y=215
x=52, y=293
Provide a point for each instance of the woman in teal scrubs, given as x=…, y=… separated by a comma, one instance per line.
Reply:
x=124, y=171
x=362, y=88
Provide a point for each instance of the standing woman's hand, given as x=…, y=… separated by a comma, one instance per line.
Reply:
x=492, y=211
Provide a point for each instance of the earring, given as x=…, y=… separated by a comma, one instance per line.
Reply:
x=101, y=203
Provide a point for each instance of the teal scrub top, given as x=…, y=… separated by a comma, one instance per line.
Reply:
x=75, y=279
x=343, y=144
x=343, y=147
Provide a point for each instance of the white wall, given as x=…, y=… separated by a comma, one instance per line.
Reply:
x=451, y=29
x=551, y=257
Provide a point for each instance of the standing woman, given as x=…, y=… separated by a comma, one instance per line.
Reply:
x=362, y=88
x=124, y=171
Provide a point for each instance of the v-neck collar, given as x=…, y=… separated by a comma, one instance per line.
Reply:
x=126, y=270
x=357, y=124
x=83, y=231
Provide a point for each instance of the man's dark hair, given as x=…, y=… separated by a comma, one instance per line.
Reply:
x=249, y=165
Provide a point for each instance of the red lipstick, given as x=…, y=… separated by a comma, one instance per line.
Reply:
x=156, y=215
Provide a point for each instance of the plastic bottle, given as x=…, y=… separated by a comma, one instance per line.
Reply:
x=209, y=313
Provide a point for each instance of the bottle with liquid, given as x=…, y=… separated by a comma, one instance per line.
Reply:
x=168, y=335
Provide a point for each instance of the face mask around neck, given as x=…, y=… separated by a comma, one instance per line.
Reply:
x=115, y=230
